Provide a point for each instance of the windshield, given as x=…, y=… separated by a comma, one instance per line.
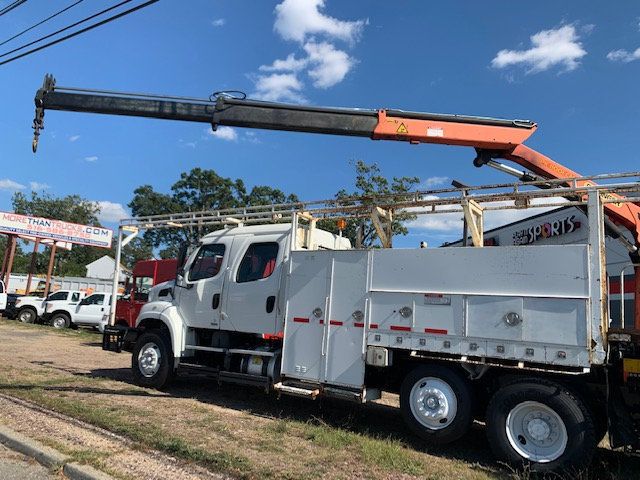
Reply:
x=142, y=286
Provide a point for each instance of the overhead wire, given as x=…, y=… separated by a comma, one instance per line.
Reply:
x=78, y=32
x=11, y=6
x=40, y=22
x=65, y=28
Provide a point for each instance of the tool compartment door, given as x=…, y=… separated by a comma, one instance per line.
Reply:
x=307, y=292
x=345, y=352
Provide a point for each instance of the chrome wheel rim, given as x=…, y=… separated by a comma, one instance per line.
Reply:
x=59, y=322
x=433, y=403
x=26, y=316
x=536, y=432
x=149, y=359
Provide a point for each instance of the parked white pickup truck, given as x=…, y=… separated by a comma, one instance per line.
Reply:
x=31, y=308
x=88, y=312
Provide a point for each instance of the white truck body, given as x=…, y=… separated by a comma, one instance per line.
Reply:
x=31, y=308
x=89, y=311
x=506, y=330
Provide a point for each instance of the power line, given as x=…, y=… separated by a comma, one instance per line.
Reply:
x=41, y=22
x=11, y=6
x=86, y=29
x=65, y=28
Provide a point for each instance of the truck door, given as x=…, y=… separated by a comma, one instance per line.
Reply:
x=200, y=291
x=91, y=309
x=3, y=296
x=253, y=283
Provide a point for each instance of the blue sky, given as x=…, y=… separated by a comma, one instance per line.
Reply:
x=571, y=66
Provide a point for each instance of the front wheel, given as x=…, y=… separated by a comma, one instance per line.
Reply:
x=541, y=425
x=152, y=361
x=435, y=402
x=60, y=320
x=27, y=315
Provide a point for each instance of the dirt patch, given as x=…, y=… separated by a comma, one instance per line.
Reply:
x=238, y=431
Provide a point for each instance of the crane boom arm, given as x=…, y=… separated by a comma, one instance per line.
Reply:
x=491, y=137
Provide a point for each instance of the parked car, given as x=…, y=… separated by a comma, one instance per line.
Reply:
x=31, y=308
x=89, y=312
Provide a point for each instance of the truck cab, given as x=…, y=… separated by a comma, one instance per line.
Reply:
x=88, y=312
x=31, y=308
x=146, y=274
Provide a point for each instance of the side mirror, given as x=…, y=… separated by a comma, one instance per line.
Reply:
x=182, y=258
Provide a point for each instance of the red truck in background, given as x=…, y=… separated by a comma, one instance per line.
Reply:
x=146, y=274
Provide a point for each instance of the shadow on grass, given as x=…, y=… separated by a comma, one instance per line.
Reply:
x=372, y=420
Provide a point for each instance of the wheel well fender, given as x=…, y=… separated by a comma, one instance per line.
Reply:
x=169, y=322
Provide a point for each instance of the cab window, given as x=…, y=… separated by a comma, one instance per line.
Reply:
x=142, y=286
x=258, y=262
x=75, y=296
x=96, y=299
x=207, y=263
x=58, y=296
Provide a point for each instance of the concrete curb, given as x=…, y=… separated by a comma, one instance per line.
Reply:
x=45, y=455
x=49, y=457
x=75, y=471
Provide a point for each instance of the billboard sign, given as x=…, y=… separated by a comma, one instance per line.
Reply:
x=14, y=224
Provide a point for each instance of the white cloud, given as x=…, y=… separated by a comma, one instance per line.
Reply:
x=555, y=47
x=111, y=212
x=218, y=22
x=331, y=64
x=279, y=86
x=73, y=138
x=10, y=185
x=624, y=55
x=434, y=181
x=38, y=186
x=297, y=19
x=304, y=22
x=289, y=64
x=92, y=158
x=223, y=133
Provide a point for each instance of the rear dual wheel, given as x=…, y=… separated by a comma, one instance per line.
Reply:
x=540, y=425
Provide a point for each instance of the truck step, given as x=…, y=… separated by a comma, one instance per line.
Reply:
x=196, y=369
x=297, y=390
x=244, y=379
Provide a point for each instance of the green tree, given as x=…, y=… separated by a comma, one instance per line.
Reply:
x=370, y=185
x=196, y=191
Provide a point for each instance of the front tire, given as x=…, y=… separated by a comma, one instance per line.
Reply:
x=60, y=321
x=152, y=361
x=435, y=402
x=541, y=425
x=27, y=315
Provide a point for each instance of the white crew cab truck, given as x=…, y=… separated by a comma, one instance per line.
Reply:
x=514, y=335
x=88, y=312
x=31, y=308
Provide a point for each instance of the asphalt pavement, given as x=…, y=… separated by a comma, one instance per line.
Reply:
x=15, y=466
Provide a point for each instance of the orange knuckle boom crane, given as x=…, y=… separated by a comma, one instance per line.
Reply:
x=492, y=138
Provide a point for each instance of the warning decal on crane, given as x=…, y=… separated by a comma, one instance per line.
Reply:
x=402, y=129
